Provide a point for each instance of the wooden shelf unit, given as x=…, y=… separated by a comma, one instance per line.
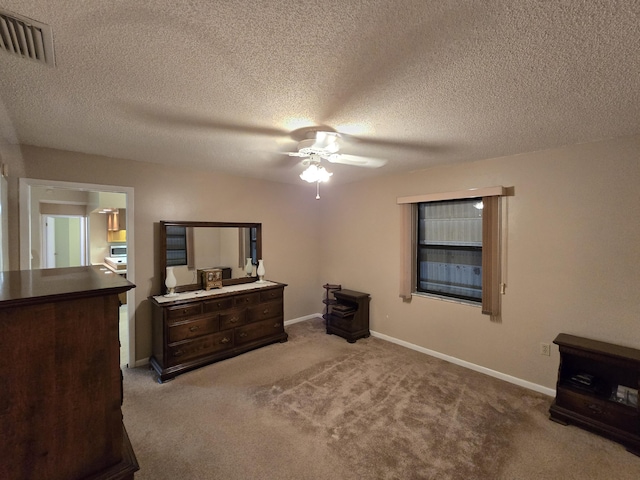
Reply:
x=328, y=299
x=353, y=322
x=596, y=408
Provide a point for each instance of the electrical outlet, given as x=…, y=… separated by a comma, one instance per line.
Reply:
x=545, y=349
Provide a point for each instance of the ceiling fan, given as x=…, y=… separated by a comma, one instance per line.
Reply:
x=315, y=143
x=324, y=145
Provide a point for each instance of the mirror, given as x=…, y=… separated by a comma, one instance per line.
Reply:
x=193, y=246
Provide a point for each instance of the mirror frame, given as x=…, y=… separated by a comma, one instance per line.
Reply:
x=196, y=286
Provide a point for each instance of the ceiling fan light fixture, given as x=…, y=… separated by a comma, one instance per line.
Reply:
x=315, y=173
x=326, y=142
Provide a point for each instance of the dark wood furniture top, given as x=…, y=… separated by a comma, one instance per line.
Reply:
x=214, y=325
x=598, y=347
x=40, y=286
x=60, y=407
x=589, y=375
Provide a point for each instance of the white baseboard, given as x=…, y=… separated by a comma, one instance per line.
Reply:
x=463, y=363
x=142, y=362
x=302, y=319
x=472, y=366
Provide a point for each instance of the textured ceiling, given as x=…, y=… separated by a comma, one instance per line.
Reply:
x=223, y=84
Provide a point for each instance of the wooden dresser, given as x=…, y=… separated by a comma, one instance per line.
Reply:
x=60, y=378
x=201, y=328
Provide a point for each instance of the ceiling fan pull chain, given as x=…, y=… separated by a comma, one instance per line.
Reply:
x=317, y=190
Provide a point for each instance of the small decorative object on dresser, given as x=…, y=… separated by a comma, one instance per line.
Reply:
x=348, y=316
x=260, y=271
x=170, y=282
x=248, y=268
x=597, y=389
x=210, y=278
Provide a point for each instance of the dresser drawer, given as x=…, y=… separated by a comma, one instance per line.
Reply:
x=257, y=330
x=271, y=295
x=217, y=305
x=182, y=311
x=192, y=328
x=343, y=323
x=233, y=318
x=246, y=299
x=209, y=344
x=599, y=409
x=264, y=311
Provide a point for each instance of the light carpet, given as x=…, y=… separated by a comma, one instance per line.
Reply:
x=317, y=407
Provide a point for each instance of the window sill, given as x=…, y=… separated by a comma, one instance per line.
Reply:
x=447, y=299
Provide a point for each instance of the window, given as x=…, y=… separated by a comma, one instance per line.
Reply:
x=253, y=245
x=449, y=261
x=176, y=246
x=449, y=249
x=248, y=242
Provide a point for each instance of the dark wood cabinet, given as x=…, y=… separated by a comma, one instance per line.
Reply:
x=60, y=379
x=348, y=315
x=593, y=378
x=193, y=332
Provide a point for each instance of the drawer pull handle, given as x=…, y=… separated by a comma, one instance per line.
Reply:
x=595, y=408
x=243, y=334
x=177, y=353
x=265, y=311
x=194, y=328
x=233, y=320
x=184, y=311
x=225, y=340
x=276, y=325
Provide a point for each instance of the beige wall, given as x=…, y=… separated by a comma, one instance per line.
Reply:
x=573, y=255
x=98, y=244
x=572, y=244
x=11, y=156
x=288, y=214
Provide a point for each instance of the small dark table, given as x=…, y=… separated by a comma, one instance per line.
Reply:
x=592, y=404
x=348, y=317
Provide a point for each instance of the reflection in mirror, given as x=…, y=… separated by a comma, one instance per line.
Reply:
x=193, y=246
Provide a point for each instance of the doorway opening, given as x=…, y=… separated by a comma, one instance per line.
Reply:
x=64, y=241
x=66, y=224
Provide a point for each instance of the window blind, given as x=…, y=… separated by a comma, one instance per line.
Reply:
x=491, y=249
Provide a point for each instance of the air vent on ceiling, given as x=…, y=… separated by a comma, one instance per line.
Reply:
x=26, y=38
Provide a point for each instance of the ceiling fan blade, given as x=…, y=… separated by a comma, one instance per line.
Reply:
x=356, y=160
x=180, y=119
x=296, y=154
x=403, y=145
